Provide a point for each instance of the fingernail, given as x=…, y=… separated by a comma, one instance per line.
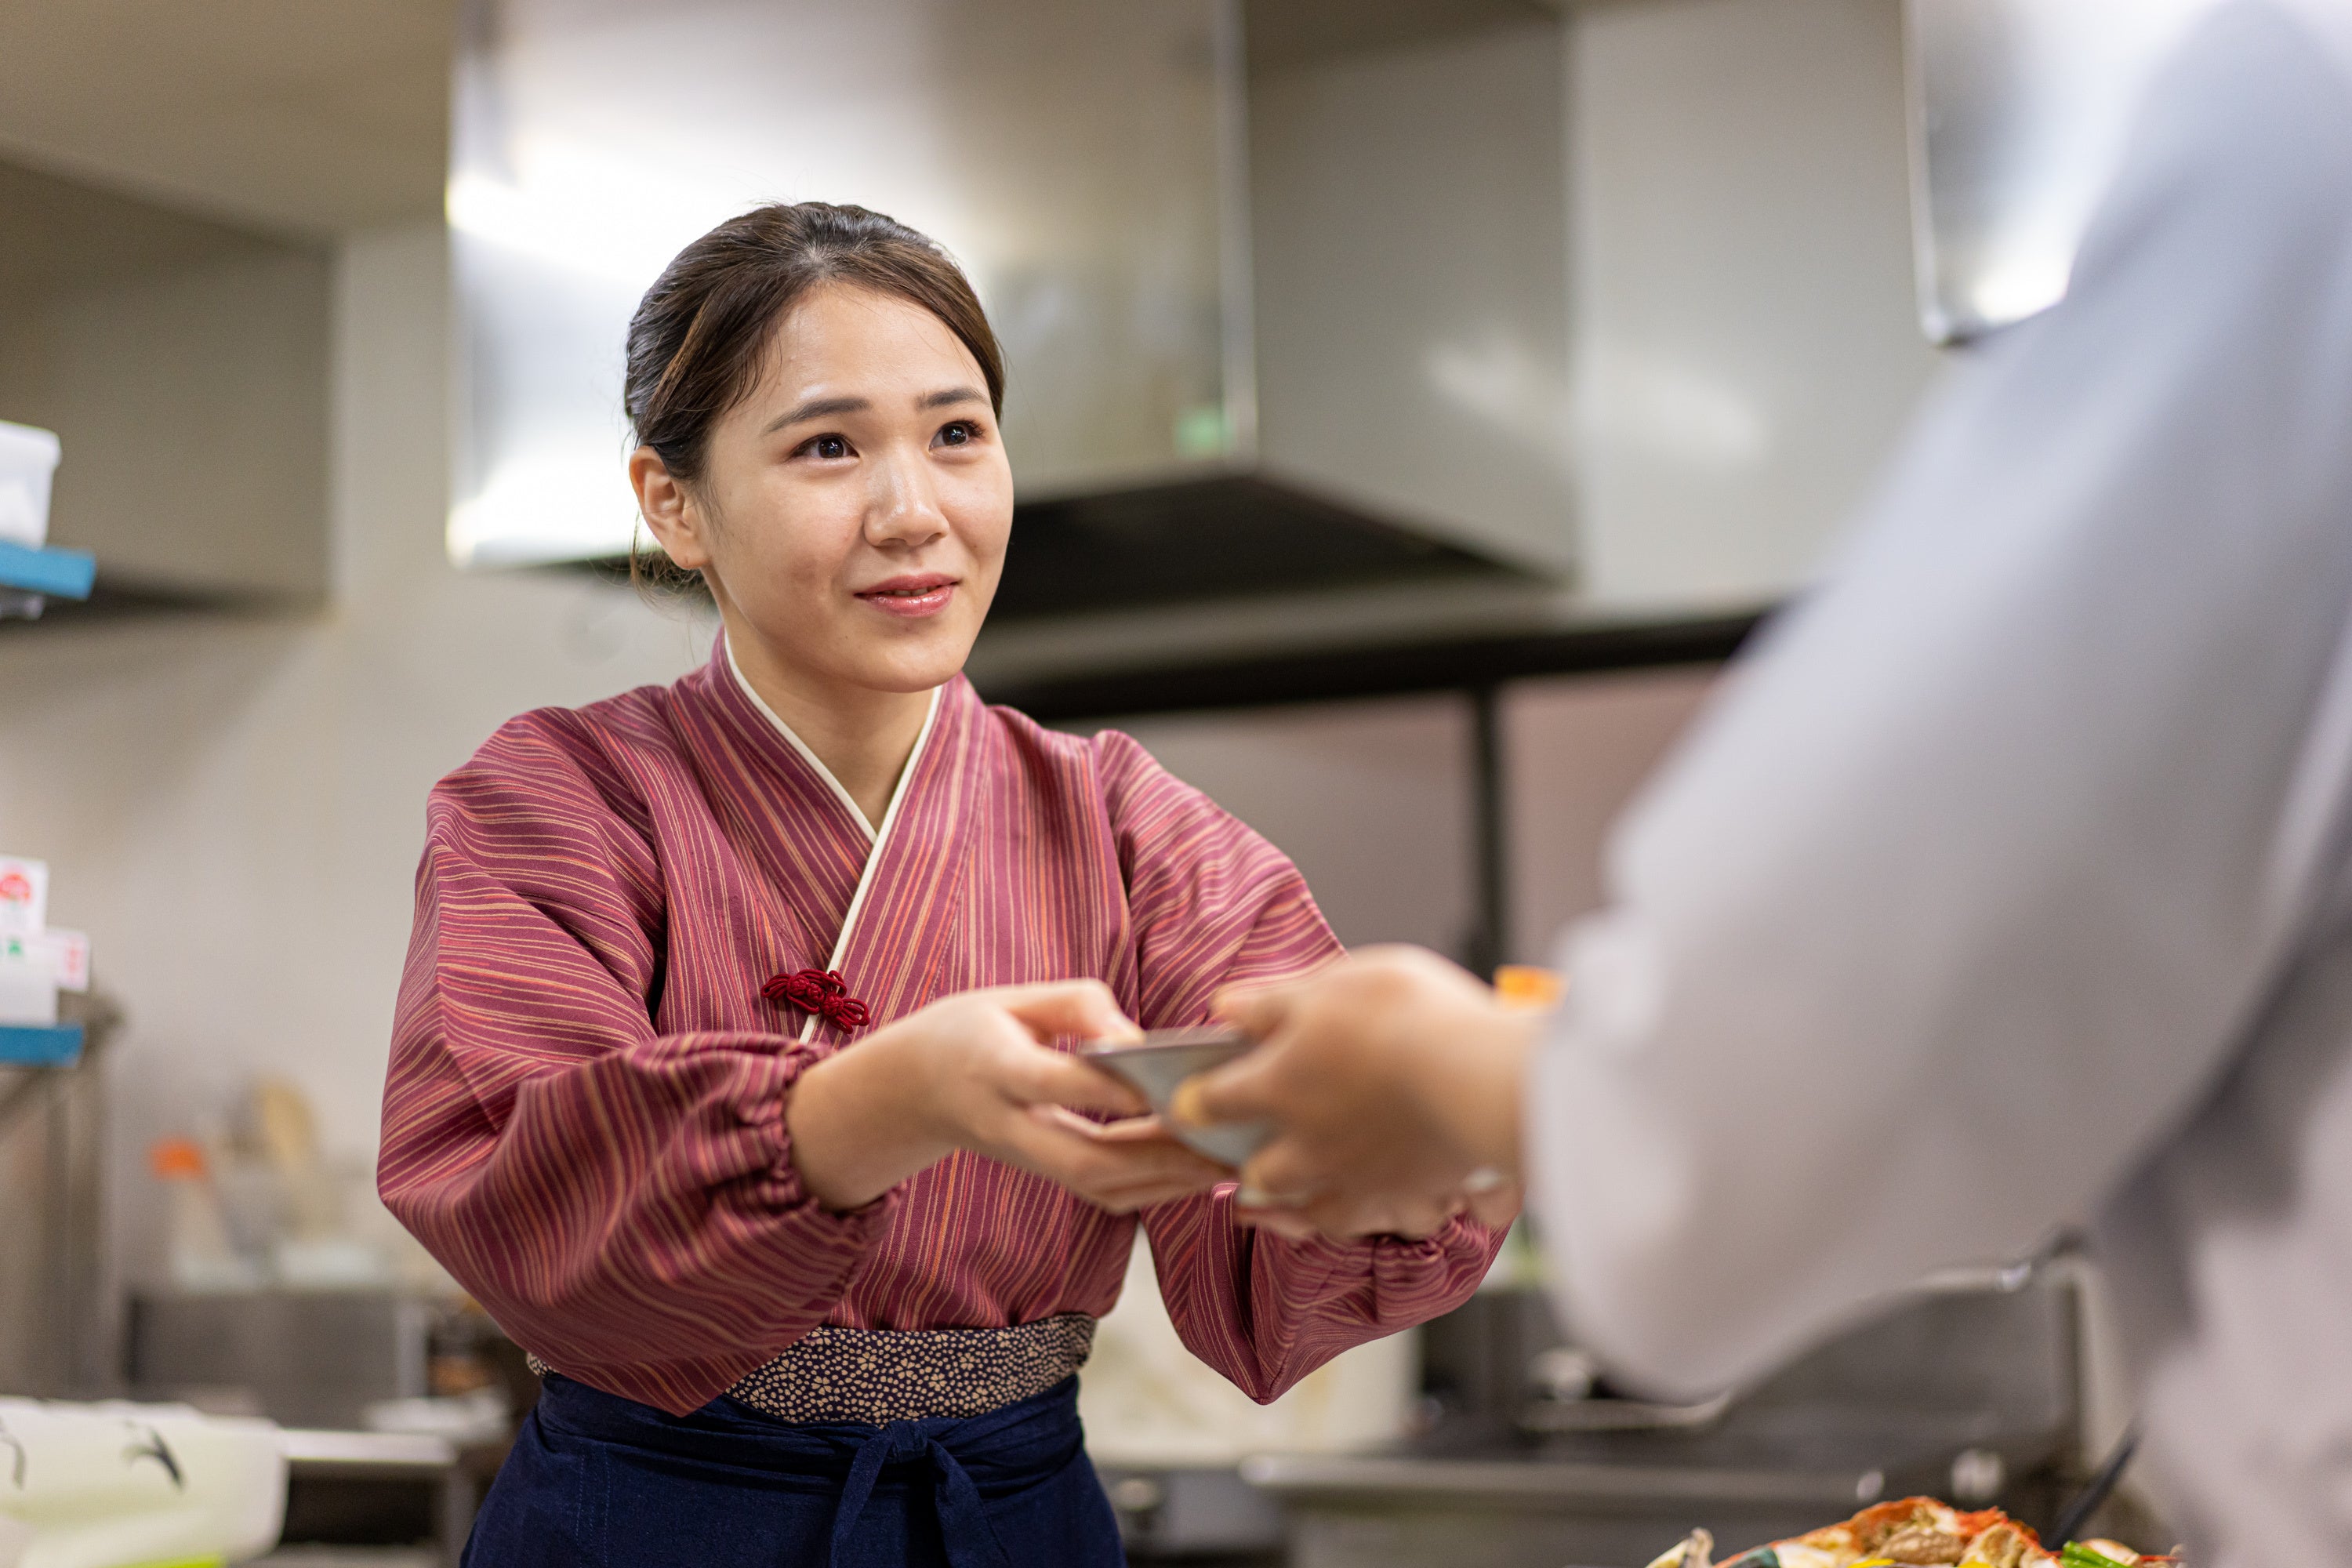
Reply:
x=1184, y=1105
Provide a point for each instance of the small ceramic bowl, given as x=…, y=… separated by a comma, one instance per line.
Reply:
x=1164, y=1059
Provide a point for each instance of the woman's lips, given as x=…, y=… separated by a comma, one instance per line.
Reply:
x=912, y=598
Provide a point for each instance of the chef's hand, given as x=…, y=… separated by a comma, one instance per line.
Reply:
x=971, y=1071
x=1394, y=1079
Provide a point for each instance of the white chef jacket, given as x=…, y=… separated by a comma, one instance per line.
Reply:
x=2006, y=886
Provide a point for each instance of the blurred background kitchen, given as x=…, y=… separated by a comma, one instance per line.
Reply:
x=1409, y=400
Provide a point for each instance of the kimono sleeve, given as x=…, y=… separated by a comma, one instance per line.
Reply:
x=622, y=1201
x=1213, y=905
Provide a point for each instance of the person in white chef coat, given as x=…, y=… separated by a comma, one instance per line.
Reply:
x=2006, y=886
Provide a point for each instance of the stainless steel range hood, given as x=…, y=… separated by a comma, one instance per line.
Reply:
x=1300, y=331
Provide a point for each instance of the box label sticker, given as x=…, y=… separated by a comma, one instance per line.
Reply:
x=23, y=896
x=68, y=954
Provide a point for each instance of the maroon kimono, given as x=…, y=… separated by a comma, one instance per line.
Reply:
x=584, y=1116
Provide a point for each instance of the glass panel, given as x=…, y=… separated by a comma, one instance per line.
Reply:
x=1067, y=152
x=2019, y=112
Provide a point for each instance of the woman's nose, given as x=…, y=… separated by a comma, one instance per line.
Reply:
x=905, y=508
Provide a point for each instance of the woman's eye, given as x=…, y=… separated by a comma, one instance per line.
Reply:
x=828, y=447
x=958, y=433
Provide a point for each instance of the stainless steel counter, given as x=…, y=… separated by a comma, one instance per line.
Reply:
x=1533, y=1509
x=1967, y=1392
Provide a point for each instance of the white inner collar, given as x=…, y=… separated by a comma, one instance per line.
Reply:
x=874, y=838
x=856, y=813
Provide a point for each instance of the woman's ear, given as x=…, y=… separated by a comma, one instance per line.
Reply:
x=669, y=510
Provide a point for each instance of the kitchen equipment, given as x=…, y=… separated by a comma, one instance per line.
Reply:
x=1967, y=1389
x=1166, y=1431
x=2077, y=1513
x=201, y=1255
x=352, y=1489
x=1397, y=420
x=1191, y=1511
x=98, y=1486
x=308, y=1358
x=1155, y=1065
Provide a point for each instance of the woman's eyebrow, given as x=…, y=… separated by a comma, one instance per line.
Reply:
x=826, y=407
x=816, y=408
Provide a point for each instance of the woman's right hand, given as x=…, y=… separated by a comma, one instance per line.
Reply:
x=970, y=1071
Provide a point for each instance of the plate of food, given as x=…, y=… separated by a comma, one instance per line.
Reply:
x=1155, y=1065
x=1913, y=1532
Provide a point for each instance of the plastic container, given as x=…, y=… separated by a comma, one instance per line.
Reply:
x=28, y=459
x=96, y=1486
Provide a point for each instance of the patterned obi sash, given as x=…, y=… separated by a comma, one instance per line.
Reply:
x=879, y=1375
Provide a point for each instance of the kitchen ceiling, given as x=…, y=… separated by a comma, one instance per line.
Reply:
x=301, y=117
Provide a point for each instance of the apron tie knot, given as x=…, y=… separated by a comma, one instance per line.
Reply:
x=964, y=1531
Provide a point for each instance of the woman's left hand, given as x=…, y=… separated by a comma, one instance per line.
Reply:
x=1144, y=1163
x=1393, y=1078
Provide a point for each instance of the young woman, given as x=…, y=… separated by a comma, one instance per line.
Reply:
x=731, y=1070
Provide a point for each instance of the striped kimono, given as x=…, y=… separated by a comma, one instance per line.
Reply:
x=584, y=1119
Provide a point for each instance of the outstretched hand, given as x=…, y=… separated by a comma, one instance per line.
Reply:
x=973, y=1071
x=1394, y=1079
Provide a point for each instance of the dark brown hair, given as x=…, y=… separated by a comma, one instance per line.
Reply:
x=695, y=342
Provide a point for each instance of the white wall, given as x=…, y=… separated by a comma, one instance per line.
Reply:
x=234, y=810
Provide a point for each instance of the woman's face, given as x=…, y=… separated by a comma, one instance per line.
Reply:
x=854, y=509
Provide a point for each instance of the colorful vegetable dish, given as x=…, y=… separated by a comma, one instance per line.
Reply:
x=1914, y=1533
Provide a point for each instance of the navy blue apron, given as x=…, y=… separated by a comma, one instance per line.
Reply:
x=595, y=1480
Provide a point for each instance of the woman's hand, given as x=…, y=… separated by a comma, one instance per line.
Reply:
x=1393, y=1078
x=970, y=1072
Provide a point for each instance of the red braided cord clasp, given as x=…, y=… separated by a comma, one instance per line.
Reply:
x=820, y=991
